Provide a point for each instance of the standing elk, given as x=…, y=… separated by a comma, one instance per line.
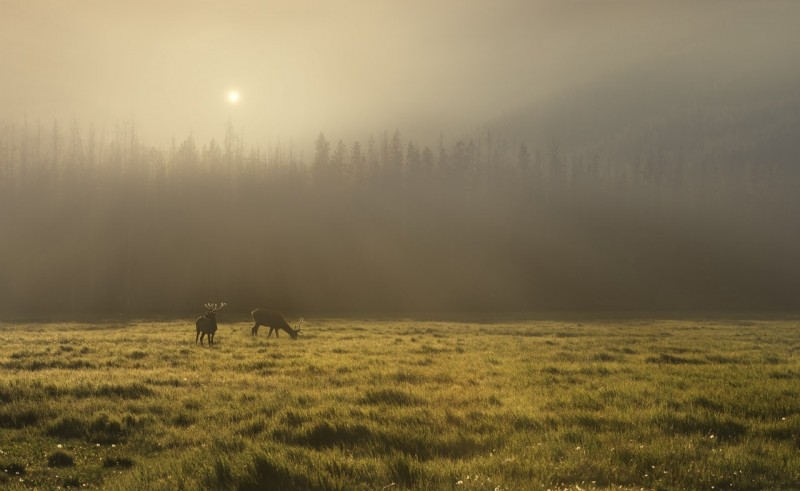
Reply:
x=207, y=324
x=274, y=321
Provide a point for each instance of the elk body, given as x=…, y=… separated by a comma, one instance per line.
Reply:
x=274, y=321
x=207, y=324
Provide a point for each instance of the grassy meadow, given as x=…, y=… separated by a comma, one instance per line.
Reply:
x=359, y=404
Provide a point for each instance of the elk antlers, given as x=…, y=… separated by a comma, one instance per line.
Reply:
x=213, y=307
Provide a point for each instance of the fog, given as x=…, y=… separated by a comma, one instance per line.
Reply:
x=349, y=69
x=399, y=156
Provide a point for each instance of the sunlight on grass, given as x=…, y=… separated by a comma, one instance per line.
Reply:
x=362, y=404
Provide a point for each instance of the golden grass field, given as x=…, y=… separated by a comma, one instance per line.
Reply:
x=360, y=404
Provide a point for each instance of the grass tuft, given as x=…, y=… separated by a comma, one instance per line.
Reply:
x=327, y=434
x=667, y=359
x=68, y=427
x=13, y=418
x=405, y=470
x=72, y=482
x=705, y=425
x=60, y=459
x=267, y=472
x=118, y=462
x=14, y=468
x=390, y=397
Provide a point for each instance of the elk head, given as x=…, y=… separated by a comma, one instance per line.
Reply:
x=297, y=329
x=212, y=308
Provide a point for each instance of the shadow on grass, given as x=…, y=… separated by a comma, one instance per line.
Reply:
x=406, y=470
x=102, y=429
x=60, y=459
x=720, y=427
x=118, y=462
x=56, y=364
x=666, y=359
x=267, y=472
x=390, y=397
x=326, y=434
x=16, y=419
x=123, y=391
x=361, y=439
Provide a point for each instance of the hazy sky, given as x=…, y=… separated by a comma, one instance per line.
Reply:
x=351, y=68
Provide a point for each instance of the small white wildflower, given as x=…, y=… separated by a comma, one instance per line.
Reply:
x=59, y=446
x=459, y=482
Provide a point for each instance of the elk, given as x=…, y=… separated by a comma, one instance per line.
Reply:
x=274, y=321
x=207, y=323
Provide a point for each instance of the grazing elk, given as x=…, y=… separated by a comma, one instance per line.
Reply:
x=274, y=321
x=207, y=324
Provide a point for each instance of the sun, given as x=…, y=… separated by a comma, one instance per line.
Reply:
x=233, y=96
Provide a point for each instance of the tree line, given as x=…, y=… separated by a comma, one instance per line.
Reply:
x=100, y=222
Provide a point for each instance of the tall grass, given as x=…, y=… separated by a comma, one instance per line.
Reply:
x=365, y=404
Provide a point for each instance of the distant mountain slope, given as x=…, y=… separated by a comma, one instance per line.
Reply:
x=677, y=112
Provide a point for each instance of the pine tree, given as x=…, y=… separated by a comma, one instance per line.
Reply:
x=523, y=159
x=321, y=164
